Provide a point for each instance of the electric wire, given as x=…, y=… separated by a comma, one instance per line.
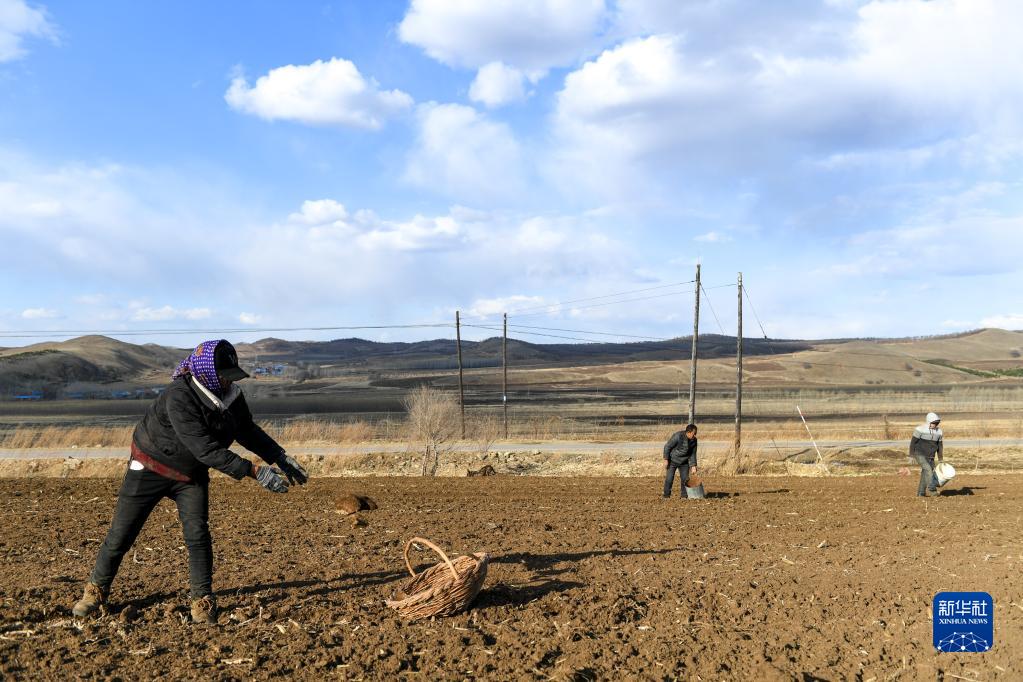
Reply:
x=745, y=290
x=712, y=311
x=584, y=331
x=594, y=298
x=598, y=305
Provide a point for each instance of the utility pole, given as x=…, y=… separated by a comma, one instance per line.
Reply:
x=738, y=376
x=461, y=387
x=504, y=364
x=692, y=363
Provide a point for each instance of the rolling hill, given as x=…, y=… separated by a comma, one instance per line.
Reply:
x=91, y=366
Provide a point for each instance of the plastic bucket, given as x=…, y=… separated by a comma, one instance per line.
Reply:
x=695, y=493
x=944, y=473
x=694, y=488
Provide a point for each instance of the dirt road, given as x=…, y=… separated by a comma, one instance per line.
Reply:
x=598, y=578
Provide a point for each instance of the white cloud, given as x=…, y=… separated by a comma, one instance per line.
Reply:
x=1012, y=321
x=19, y=21
x=321, y=93
x=713, y=237
x=902, y=74
x=90, y=299
x=982, y=244
x=464, y=154
x=489, y=307
x=497, y=84
x=38, y=313
x=320, y=212
x=107, y=218
x=529, y=35
x=147, y=314
x=249, y=318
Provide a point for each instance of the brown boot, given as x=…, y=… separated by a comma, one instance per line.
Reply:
x=93, y=599
x=204, y=610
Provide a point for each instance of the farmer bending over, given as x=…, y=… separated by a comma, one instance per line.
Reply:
x=926, y=443
x=680, y=455
x=185, y=431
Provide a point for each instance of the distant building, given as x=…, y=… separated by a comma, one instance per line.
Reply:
x=34, y=395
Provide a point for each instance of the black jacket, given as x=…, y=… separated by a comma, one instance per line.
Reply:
x=926, y=448
x=187, y=430
x=680, y=450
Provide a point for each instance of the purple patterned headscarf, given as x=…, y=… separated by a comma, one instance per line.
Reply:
x=200, y=365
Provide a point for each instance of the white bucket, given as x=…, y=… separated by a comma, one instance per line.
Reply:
x=696, y=493
x=944, y=472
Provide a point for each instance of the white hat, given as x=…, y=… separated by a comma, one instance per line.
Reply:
x=931, y=418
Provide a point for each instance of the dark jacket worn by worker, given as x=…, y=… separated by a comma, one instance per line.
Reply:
x=680, y=450
x=189, y=429
x=926, y=442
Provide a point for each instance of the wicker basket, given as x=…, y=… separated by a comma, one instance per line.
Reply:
x=443, y=589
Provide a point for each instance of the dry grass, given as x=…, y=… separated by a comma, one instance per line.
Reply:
x=67, y=437
x=484, y=429
x=749, y=460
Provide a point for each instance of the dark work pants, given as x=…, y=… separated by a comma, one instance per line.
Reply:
x=669, y=478
x=140, y=492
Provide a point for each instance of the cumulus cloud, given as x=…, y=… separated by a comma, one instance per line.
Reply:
x=489, y=307
x=983, y=245
x=165, y=313
x=38, y=313
x=464, y=154
x=19, y=21
x=898, y=74
x=713, y=237
x=530, y=35
x=320, y=212
x=321, y=93
x=249, y=318
x=497, y=84
x=1012, y=321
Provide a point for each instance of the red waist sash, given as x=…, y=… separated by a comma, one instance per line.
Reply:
x=156, y=467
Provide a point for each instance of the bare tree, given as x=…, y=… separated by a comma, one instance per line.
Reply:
x=483, y=432
x=433, y=424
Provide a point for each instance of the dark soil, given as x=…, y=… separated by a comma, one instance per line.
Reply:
x=772, y=578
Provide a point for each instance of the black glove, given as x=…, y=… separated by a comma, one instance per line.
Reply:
x=292, y=469
x=271, y=479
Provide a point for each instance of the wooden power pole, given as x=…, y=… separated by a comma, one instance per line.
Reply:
x=738, y=376
x=504, y=385
x=692, y=362
x=461, y=387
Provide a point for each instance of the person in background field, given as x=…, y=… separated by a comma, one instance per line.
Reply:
x=185, y=432
x=926, y=443
x=680, y=456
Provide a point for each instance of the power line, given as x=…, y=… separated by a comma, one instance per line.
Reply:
x=745, y=290
x=596, y=298
x=712, y=311
x=583, y=331
x=598, y=305
x=552, y=336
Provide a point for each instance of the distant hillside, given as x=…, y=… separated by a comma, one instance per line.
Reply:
x=51, y=367
x=423, y=354
x=97, y=366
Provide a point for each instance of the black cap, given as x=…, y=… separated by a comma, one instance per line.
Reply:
x=225, y=360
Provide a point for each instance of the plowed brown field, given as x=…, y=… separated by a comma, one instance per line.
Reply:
x=774, y=578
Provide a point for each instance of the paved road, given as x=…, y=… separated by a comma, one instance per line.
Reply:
x=783, y=447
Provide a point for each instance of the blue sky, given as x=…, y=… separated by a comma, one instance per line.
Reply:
x=262, y=165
